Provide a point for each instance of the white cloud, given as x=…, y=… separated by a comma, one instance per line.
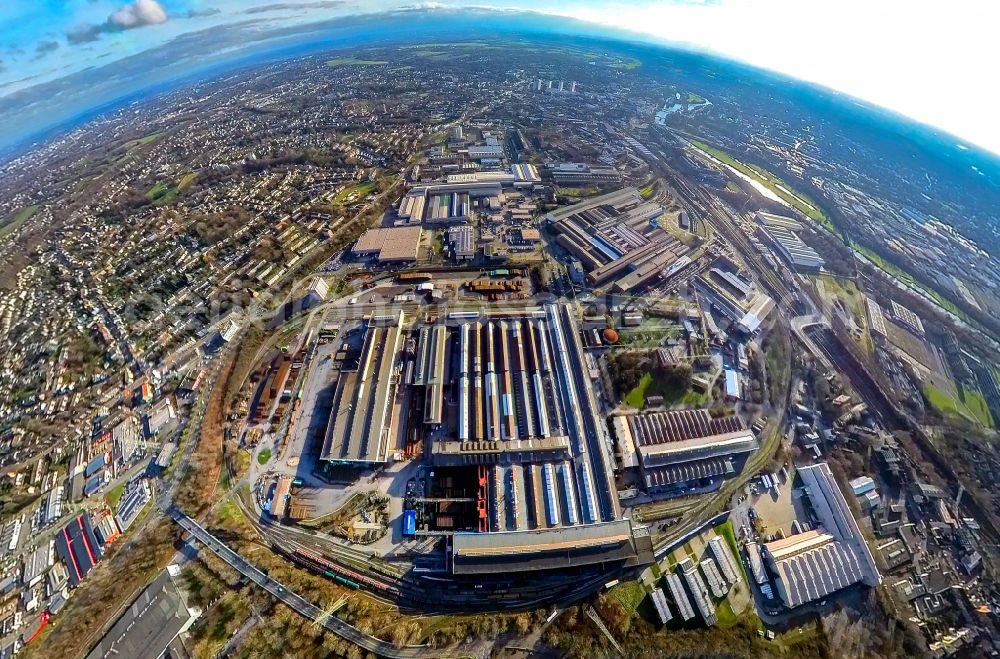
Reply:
x=137, y=14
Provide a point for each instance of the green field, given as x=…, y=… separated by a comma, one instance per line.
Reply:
x=353, y=61
x=433, y=54
x=264, y=456
x=157, y=190
x=353, y=193
x=629, y=593
x=724, y=612
x=637, y=397
x=625, y=63
x=850, y=295
x=577, y=192
x=150, y=138
x=972, y=409
x=187, y=180
x=647, y=387
x=894, y=270
x=848, y=292
x=20, y=218
x=976, y=403
x=162, y=193
x=114, y=495
x=648, y=191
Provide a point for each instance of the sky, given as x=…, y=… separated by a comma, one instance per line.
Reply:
x=930, y=60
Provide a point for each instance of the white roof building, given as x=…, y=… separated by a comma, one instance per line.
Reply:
x=724, y=559
x=813, y=564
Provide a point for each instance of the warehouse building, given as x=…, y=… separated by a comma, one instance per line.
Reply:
x=149, y=628
x=680, y=449
x=158, y=417
x=758, y=309
x=903, y=316
x=462, y=242
x=491, y=152
x=676, y=587
x=735, y=298
x=790, y=248
x=782, y=221
x=78, y=548
x=660, y=603
x=525, y=174
x=578, y=173
x=823, y=560
x=724, y=559
x=392, y=245
x=362, y=419
x=698, y=589
x=137, y=495
x=607, y=543
x=716, y=583
x=756, y=562
x=876, y=318
x=36, y=564
x=279, y=499
x=617, y=238
x=429, y=371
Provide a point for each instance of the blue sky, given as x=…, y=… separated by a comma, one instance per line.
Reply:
x=933, y=61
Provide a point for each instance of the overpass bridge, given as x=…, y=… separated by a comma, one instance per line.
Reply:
x=296, y=602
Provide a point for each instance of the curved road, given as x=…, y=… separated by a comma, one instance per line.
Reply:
x=299, y=604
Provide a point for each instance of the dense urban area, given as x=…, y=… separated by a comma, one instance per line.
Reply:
x=544, y=348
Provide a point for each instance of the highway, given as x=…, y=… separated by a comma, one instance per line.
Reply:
x=298, y=603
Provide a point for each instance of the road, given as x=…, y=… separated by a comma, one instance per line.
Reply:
x=296, y=602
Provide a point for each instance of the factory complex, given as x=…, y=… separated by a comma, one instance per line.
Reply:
x=512, y=446
x=618, y=239
x=389, y=245
x=502, y=407
x=734, y=297
x=454, y=200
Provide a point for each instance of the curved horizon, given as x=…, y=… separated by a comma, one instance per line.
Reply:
x=899, y=71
